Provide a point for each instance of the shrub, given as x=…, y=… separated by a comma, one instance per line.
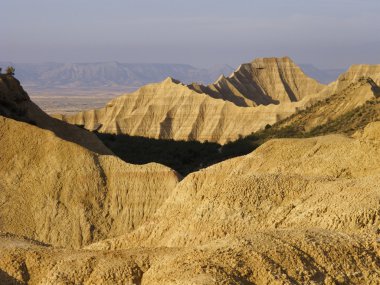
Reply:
x=10, y=70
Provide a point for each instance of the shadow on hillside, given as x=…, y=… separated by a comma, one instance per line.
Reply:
x=183, y=156
x=5, y=278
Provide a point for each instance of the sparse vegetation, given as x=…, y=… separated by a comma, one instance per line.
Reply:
x=10, y=70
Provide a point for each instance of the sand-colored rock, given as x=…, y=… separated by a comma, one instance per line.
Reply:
x=59, y=192
x=345, y=100
x=294, y=211
x=63, y=194
x=171, y=110
x=263, y=81
x=329, y=182
x=15, y=103
x=270, y=257
x=352, y=75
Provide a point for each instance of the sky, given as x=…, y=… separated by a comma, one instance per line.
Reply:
x=326, y=33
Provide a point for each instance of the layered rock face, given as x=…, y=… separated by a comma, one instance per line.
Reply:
x=262, y=92
x=294, y=211
x=286, y=213
x=61, y=193
x=353, y=74
x=356, y=94
x=263, y=81
x=171, y=110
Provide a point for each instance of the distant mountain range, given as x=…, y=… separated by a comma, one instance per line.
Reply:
x=115, y=74
x=110, y=74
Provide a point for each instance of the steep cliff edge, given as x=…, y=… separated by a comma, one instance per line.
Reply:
x=263, y=81
x=15, y=103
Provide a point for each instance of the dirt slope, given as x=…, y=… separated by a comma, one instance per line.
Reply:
x=59, y=192
x=271, y=257
x=285, y=214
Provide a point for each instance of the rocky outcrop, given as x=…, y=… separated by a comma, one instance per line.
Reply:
x=355, y=95
x=352, y=75
x=171, y=110
x=15, y=103
x=263, y=81
x=53, y=188
x=284, y=214
x=63, y=194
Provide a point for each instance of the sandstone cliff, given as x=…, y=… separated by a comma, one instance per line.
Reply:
x=263, y=81
x=353, y=74
x=257, y=94
x=171, y=110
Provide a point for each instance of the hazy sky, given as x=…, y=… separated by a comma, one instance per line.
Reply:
x=327, y=33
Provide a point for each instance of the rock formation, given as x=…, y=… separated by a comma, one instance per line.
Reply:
x=353, y=74
x=257, y=94
x=294, y=211
x=171, y=110
x=271, y=257
x=61, y=193
x=263, y=81
x=334, y=107
x=15, y=103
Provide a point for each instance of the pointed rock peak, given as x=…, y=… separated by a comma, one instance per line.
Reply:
x=171, y=80
x=220, y=79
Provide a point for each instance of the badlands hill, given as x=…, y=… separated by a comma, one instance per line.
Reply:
x=217, y=113
x=315, y=198
x=225, y=111
x=56, y=190
x=263, y=81
x=295, y=211
x=347, y=111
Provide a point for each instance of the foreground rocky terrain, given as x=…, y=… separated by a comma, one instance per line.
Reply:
x=61, y=192
x=294, y=211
